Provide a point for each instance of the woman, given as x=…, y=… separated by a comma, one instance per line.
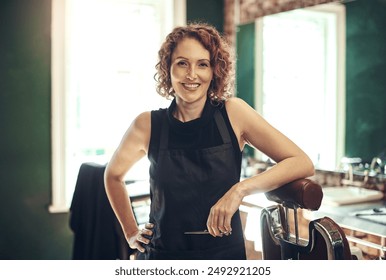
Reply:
x=194, y=148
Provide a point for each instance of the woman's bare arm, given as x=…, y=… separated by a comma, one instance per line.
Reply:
x=252, y=129
x=133, y=147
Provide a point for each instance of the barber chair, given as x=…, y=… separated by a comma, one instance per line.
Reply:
x=326, y=239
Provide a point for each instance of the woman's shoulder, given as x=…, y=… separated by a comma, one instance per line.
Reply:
x=141, y=125
x=235, y=101
x=236, y=105
x=142, y=118
x=241, y=114
x=150, y=119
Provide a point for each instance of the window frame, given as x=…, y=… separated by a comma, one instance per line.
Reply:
x=59, y=203
x=340, y=99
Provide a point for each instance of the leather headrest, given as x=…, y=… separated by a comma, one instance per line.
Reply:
x=301, y=193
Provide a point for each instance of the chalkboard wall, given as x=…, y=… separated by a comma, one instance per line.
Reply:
x=366, y=78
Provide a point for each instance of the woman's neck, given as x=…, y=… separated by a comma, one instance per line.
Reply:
x=185, y=112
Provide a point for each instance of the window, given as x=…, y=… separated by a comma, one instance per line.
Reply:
x=300, y=79
x=103, y=62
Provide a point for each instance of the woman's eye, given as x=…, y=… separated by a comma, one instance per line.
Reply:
x=182, y=63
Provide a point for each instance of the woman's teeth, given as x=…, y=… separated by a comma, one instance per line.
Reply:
x=191, y=85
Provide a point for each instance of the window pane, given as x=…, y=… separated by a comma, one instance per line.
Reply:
x=299, y=80
x=111, y=52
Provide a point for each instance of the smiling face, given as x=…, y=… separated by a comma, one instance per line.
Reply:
x=190, y=72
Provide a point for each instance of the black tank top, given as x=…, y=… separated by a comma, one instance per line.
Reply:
x=196, y=134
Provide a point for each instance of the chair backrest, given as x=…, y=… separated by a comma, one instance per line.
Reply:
x=326, y=239
x=97, y=233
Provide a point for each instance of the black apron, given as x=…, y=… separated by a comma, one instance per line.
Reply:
x=184, y=185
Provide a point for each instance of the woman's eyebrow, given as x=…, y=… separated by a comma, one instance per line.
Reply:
x=200, y=59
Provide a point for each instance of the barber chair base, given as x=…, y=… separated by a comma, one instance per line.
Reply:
x=327, y=241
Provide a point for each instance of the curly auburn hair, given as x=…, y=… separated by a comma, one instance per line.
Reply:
x=221, y=60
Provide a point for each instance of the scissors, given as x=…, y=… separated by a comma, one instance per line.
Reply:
x=197, y=232
x=204, y=232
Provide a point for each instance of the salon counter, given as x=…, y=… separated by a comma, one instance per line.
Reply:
x=345, y=216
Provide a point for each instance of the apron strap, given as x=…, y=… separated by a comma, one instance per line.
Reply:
x=226, y=138
x=164, y=138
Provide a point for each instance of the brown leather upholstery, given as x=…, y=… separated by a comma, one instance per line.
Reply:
x=301, y=193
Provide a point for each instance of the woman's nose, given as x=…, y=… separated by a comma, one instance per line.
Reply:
x=191, y=74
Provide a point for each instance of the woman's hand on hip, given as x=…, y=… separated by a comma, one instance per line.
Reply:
x=139, y=238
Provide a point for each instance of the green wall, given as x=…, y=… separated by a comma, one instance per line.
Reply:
x=366, y=78
x=210, y=11
x=245, y=68
x=27, y=229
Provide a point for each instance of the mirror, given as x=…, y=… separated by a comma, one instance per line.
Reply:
x=363, y=125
